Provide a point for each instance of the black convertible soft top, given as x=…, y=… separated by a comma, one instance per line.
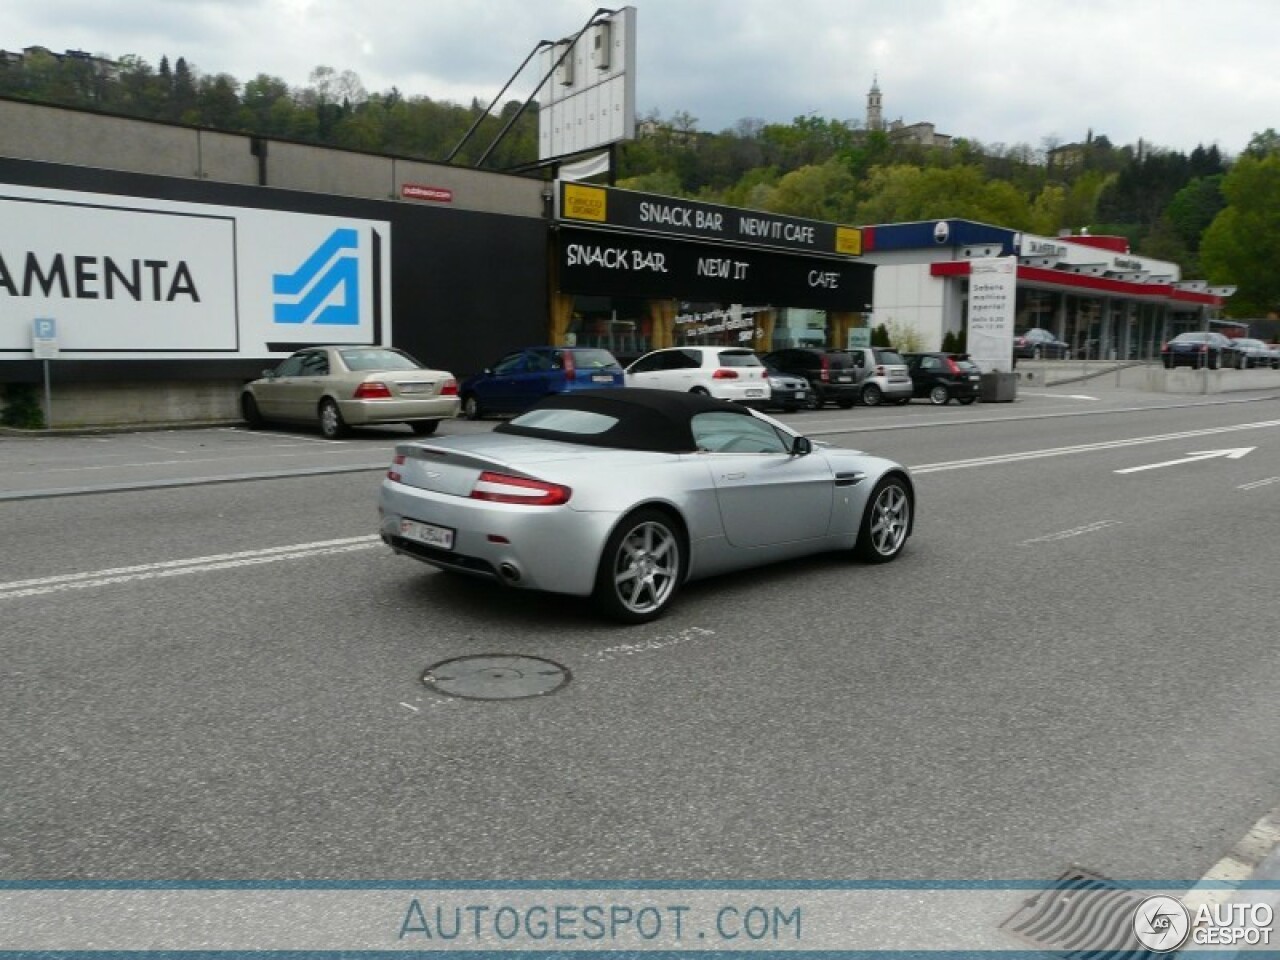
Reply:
x=655, y=420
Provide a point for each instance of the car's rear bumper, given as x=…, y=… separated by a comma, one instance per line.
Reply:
x=359, y=413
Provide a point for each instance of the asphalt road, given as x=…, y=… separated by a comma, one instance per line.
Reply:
x=1069, y=665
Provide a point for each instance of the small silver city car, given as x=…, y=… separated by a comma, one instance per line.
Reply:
x=351, y=386
x=624, y=494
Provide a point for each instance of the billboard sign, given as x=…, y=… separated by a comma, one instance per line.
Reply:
x=589, y=98
x=134, y=277
x=993, y=284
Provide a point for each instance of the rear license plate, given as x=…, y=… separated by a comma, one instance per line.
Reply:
x=755, y=393
x=973, y=379
x=415, y=387
x=602, y=378
x=428, y=533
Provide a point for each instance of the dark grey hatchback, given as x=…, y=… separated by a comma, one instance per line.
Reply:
x=830, y=373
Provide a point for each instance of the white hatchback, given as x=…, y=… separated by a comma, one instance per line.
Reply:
x=727, y=373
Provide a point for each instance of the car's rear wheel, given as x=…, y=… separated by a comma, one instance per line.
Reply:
x=424, y=428
x=939, y=395
x=813, y=401
x=331, y=423
x=641, y=567
x=1036, y=353
x=701, y=391
x=871, y=395
x=249, y=410
x=886, y=522
x=471, y=407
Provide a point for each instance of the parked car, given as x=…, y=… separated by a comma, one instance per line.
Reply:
x=882, y=375
x=943, y=377
x=1258, y=354
x=727, y=373
x=1038, y=343
x=829, y=373
x=786, y=392
x=522, y=378
x=338, y=387
x=1201, y=349
x=624, y=495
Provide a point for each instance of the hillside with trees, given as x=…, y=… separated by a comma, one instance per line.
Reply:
x=1217, y=215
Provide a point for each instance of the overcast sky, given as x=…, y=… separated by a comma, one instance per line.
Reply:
x=1175, y=73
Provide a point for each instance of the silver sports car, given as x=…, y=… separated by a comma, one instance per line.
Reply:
x=623, y=495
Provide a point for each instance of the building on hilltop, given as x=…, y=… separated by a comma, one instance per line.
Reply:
x=922, y=133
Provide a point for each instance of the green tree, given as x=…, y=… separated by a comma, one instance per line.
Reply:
x=825, y=192
x=1242, y=245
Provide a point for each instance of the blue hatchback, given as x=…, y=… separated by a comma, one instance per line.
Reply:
x=521, y=379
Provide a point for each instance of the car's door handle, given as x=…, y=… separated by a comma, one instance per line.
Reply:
x=734, y=476
x=850, y=479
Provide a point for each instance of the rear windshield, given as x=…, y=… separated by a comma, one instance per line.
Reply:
x=839, y=360
x=593, y=359
x=888, y=356
x=739, y=358
x=581, y=422
x=376, y=358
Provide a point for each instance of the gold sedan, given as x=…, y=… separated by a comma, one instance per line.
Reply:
x=340, y=387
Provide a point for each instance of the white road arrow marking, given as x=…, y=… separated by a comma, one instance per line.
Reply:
x=1235, y=454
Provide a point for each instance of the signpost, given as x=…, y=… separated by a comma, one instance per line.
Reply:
x=44, y=347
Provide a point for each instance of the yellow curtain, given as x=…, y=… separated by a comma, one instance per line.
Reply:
x=662, y=314
x=765, y=321
x=561, y=317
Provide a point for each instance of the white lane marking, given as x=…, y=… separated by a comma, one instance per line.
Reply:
x=1061, y=396
x=175, y=568
x=1222, y=882
x=1254, y=485
x=1076, y=532
x=242, y=432
x=1235, y=454
x=144, y=463
x=1085, y=448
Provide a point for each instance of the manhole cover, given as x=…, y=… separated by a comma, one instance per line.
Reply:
x=1082, y=915
x=496, y=676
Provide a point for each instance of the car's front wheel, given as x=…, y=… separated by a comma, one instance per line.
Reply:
x=886, y=522
x=331, y=423
x=471, y=407
x=939, y=395
x=249, y=410
x=872, y=395
x=641, y=567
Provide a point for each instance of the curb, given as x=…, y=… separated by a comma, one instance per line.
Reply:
x=96, y=430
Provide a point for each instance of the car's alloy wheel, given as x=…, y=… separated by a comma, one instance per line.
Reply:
x=641, y=568
x=939, y=395
x=813, y=401
x=871, y=395
x=886, y=523
x=471, y=407
x=424, y=428
x=249, y=410
x=331, y=423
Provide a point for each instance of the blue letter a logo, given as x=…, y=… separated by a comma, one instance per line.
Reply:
x=303, y=296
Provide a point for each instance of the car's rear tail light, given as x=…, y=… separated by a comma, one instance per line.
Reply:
x=568, y=363
x=449, y=388
x=825, y=372
x=373, y=390
x=504, y=488
x=393, y=473
x=724, y=374
x=952, y=365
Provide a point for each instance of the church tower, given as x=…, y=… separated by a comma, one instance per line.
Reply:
x=875, y=116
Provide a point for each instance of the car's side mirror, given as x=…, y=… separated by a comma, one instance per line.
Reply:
x=801, y=447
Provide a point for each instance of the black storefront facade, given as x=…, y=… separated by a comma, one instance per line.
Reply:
x=635, y=272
